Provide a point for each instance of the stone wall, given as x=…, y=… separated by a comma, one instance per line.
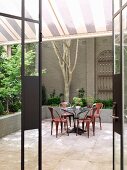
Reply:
x=10, y=123
x=84, y=75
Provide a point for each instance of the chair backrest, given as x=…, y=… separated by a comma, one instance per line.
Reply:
x=93, y=111
x=54, y=113
x=99, y=106
x=65, y=104
x=51, y=111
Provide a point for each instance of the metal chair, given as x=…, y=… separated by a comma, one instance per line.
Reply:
x=57, y=119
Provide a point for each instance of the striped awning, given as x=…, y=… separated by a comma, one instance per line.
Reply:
x=60, y=19
x=76, y=18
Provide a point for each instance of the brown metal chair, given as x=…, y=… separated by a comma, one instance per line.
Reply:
x=87, y=119
x=97, y=114
x=56, y=118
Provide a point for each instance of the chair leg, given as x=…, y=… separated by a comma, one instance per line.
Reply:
x=100, y=123
x=93, y=125
x=61, y=127
x=87, y=125
x=83, y=125
x=70, y=120
x=57, y=123
x=51, y=126
x=77, y=127
x=67, y=129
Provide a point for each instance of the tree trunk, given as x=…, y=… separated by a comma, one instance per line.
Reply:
x=66, y=92
x=7, y=106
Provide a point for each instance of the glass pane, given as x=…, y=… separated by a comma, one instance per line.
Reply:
x=31, y=149
x=10, y=97
x=32, y=9
x=117, y=44
x=124, y=1
x=124, y=45
x=116, y=5
x=10, y=30
x=31, y=49
x=117, y=151
x=11, y=7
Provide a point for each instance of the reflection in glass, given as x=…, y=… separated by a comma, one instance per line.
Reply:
x=31, y=149
x=116, y=5
x=117, y=151
x=11, y=7
x=117, y=45
x=124, y=46
x=124, y=1
x=31, y=59
x=32, y=9
x=31, y=49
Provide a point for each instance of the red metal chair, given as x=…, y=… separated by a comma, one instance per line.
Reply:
x=64, y=105
x=87, y=119
x=56, y=118
x=97, y=114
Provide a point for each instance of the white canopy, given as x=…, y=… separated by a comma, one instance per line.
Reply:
x=60, y=19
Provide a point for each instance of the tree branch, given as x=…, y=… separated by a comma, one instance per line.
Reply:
x=58, y=54
x=76, y=56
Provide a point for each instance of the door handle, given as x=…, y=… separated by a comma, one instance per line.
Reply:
x=114, y=111
x=114, y=117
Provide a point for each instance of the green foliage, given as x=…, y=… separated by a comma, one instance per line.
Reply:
x=10, y=83
x=54, y=99
x=107, y=103
x=1, y=108
x=79, y=101
x=81, y=93
x=2, y=50
x=14, y=107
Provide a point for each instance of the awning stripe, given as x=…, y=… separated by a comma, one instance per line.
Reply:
x=77, y=17
x=87, y=15
x=50, y=19
x=60, y=18
x=63, y=9
x=108, y=14
x=15, y=26
x=98, y=14
x=5, y=33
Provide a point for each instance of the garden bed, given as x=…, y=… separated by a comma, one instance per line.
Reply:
x=10, y=123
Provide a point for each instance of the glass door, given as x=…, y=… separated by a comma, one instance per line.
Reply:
x=117, y=97
x=117, y=89
x=124, y=51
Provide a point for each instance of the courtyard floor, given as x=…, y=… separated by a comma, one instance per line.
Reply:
x=63, y=153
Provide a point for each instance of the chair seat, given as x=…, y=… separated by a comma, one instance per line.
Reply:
x=67, y=114
x=59, y=120
x=84, y=120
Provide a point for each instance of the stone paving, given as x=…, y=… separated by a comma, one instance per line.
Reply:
x=63, y=153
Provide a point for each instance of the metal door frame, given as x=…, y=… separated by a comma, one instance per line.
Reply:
x=121, y=74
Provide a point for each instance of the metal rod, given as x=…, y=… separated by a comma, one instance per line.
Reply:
x=40, y=87
x=22, y=93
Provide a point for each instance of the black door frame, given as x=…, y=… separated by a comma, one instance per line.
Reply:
x=121, y=132
x=23, y=19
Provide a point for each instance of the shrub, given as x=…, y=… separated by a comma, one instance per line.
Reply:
x=14, y=107
x=54, y=99
x=81, y=93
x=79, y=101
x=107, y=103
x=1, y=108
